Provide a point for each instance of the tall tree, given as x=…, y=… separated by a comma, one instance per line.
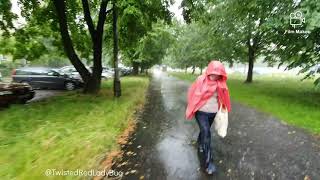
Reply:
x=81, y=25
x=244, y=27
x=116, y=83
x=300, y=47
x=92, y=80
x=136, y=19
x=153, y=46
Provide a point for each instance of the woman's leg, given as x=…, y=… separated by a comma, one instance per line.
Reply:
x=211, y=118
x=199, y=140
x=205, y=135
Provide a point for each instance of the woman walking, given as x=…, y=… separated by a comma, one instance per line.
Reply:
x=205, y=96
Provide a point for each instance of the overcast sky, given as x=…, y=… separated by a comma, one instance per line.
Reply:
x=175, y=9
x=15, y=9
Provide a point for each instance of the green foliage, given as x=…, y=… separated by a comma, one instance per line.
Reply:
x=7, y=67
x=40, y=35
x=193, y=9
x=153, y=46
x=192, y=47
x=51, y=60
x=6, y=17
x=136, y=20
x=303, y=50
x=132, y=20
x=232, y=26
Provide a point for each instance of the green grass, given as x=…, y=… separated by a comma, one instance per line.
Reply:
x=70, y=131
x=287, y=98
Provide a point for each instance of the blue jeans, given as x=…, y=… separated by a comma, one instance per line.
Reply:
x=205, y=121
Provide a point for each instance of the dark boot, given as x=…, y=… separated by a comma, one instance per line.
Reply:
x=211, y=168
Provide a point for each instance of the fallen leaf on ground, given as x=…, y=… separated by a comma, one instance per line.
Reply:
x=129, y=153
x=133, y=171
x=124, y=163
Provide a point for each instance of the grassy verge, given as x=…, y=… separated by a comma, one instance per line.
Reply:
x=70, y=131
x=287, y=98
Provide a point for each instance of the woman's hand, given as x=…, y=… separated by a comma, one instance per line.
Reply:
x=223, y=106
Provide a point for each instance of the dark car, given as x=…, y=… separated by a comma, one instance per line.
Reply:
x=45, y=78
x=72, y=72
x=15, y=93
x=126, y=71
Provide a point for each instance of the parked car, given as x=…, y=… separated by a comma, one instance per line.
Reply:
x=106, y=73
x=125, y=71
x=45, y=78
x=15, y=93
x=315, y=69
x=72, y=72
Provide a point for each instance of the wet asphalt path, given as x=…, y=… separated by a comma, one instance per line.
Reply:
x=257, y=145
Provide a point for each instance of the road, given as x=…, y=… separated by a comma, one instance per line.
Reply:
x=257, y=146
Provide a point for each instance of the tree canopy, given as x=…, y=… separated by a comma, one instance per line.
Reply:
x=80, y=30
x=242, y=31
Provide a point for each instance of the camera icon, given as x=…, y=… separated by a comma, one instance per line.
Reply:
x=297, y=19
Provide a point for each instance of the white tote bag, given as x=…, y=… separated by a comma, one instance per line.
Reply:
x=221, y=122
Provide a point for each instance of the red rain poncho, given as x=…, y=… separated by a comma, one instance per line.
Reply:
x=203, y=88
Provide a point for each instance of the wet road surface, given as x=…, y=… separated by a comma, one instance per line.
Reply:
x=257, y=145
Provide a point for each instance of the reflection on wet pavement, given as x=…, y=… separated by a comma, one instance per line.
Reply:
x=257, y=146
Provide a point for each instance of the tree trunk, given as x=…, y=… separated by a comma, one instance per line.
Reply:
x=94, y=84
x=251, y=62
x=231, y=64
x=186, y=70
x=135, y=68
x=193, y=69
x=116, y=81
x=251, y=50
x=201, y=68
x=67, y=42
x=92, y=80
